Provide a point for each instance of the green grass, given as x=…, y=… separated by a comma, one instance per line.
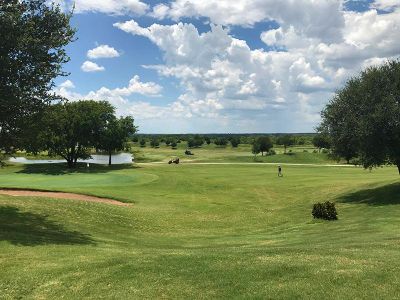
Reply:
x=201, y=231
x=213, y=153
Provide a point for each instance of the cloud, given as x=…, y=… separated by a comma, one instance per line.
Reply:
x=89, y=66
x=102, y=51
x=222, y=77
x=314, y=48
x=137, y=87
x=68, y=84
x=386, y=5
x=111, y=7
x=117, y=95
x=221, y=74
x=321, y=19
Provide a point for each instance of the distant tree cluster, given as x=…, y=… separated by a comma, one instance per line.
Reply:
x=154, y=143
x=286, y=141
x=322, y=141
x=195, y=141
x=235, y=141
x=222, y=141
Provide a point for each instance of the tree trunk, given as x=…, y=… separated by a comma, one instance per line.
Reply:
x=262, y=153
x=70, y=163
x=109, y=158
x=398, y=167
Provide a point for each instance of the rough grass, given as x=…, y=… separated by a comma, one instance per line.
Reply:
x=213, y=153
x=201, y=231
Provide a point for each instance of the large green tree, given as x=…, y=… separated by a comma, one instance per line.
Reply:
x=363, y=118
x=72, y=129
x=33, y=36
x=264, y=144
x=115, y=134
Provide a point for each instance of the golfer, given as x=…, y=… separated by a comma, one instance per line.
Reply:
x=280, y=171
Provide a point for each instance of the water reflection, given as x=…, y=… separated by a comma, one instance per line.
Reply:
x=116, y=159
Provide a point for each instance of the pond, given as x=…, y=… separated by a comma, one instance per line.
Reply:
x=116, y=159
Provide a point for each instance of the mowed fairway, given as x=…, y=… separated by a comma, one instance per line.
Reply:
x=201, y=231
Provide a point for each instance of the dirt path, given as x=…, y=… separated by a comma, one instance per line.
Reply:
x=60, y=195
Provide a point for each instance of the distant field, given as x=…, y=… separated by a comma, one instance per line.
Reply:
x=213, y=153
x=201, y=231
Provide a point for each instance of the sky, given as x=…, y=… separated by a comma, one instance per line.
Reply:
x=223, y=66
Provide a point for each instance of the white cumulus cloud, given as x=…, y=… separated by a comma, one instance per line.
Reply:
x=89, y=66
x=102, y=51
x=112, y=7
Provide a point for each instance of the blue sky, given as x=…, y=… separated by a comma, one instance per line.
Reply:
x=224, y=66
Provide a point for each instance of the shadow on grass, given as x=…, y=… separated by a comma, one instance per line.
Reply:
x=383, y=195
x=29, y=229
x=61, y=169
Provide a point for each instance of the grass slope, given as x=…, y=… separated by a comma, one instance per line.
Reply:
x=201, y=231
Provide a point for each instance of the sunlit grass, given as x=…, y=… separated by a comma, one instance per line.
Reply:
x=201, y=231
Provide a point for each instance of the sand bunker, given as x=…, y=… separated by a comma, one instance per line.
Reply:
x=60, y=195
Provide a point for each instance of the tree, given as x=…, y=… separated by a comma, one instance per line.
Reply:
x=33, y=37
x=71, y=129
x=173, y=145
x=196, y=141
x=207, y=140
x=221, y=141
x=142, y=143
x=168, y=141
x=255, y=149
x=154, y=142
x=363, y=118
x=321, y=141
x=300, y=141
x=286, y=140
x=115, y=134
x=264, y=144
x=235, y=141
x=190, y=143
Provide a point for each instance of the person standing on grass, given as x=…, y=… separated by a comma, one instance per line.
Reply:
x=280, y=171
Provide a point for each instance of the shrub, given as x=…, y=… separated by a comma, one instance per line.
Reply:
x=326, y=211
x=187, y=152
x=305, y=151
x=271, y=152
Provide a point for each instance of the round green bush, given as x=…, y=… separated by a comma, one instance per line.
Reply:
x=326, y=211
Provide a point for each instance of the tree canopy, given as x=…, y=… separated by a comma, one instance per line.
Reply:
x=33, y=37
x=114, y=134
x=321, y=141
x=264, y=144
x=363, y=118
x=72, y=129
x=285, y=140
